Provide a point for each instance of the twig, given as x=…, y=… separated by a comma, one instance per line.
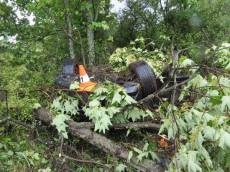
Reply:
x=11, y=120
x=61, y=145
x=164, y=90
x=173, y=97
x=20, y=123
x=69, y=148
x=45, y=93
x=87, y=161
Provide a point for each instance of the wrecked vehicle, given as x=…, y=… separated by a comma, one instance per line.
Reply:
x=139, y=83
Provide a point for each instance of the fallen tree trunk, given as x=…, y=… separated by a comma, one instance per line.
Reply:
x=101, y=142
x=133, y=125
x=45, y=116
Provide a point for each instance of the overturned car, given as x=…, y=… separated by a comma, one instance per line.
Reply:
x=139, y=82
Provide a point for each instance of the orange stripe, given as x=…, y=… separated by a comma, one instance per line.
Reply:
x=82, y=70
x=87, y=86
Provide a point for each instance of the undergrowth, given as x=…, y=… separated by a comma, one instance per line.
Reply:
x=199, y=127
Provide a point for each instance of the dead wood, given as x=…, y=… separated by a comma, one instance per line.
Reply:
x=17, y=122
x=102, y=142
x=83, y=161
x=133, y=125
x=44, y=115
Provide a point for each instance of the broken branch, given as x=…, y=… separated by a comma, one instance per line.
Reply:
x=164, y=90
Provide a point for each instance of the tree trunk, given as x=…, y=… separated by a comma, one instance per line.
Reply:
x=90, y=37
x=82, y=48
x=69, y=30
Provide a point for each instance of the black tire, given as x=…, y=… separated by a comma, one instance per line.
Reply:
x=146, y=77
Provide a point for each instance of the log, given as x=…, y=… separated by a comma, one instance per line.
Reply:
x=45, y=116
x=102, y=142
x=136, y=125
x=133, y=125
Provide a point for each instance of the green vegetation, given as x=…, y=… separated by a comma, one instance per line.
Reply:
x=192, y=35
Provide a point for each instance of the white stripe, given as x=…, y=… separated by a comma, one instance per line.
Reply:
x=84, y=78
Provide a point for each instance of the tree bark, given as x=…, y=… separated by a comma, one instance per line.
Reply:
x=69, y=30
x=111, y=147
x=82, y=48
x=131, y=125
x=44, y=115
x=90, y=36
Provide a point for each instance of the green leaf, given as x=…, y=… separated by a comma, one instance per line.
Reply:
x=107, y=103
x=224, y=141
x=130, y=156
x=129, y=99
x=101, y=119
x=36, y=156
x=71, y=106
x=120, y=168
x=193, y=165
x=117, y=97
x=206, y=155
x=100, y=90
x=128, y=132
x=94, y=103
x=1, y=145
x=137, y=150
x=59, y=123
x=154, y=156
x=113, y=110
x=142, y=155
x=225, y=83
x=145, y=148
x=225, y=103
x=57, y=105
x=10, y=153
x=209, y=133
x=187, y=62
x=74, y=86
x=198, y=81
x=45, y=170
x=36, y=106
x=228, y=66
x=215, y=100
x=67, y=105
x=134, y=114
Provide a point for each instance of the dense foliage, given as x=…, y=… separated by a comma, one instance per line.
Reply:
x=203, y=124
x=37, y=36
x=122, y=57
x=109, y=104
